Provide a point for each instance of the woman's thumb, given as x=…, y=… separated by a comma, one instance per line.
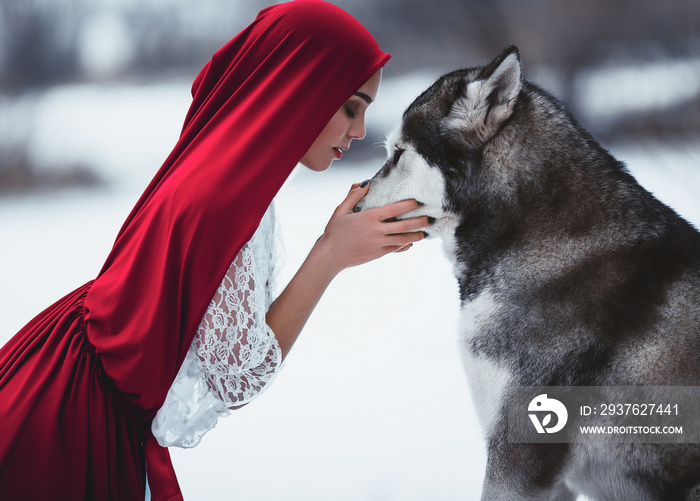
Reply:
x=355, y=195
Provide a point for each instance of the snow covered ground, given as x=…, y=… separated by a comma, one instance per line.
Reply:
x=372, y=403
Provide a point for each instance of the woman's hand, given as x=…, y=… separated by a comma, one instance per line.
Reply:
x=353, y=238
x=350, y=238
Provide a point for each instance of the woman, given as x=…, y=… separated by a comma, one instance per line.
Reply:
x=80, y=385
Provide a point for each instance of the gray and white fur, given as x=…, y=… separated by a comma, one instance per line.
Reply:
x=570, y=273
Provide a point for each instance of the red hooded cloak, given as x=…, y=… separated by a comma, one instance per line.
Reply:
x=81, y=382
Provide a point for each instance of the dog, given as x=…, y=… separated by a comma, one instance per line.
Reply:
x=569, y=272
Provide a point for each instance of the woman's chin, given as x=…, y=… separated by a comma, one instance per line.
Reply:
x=318, y=166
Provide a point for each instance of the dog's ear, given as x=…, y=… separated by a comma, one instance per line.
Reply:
x=487, y=101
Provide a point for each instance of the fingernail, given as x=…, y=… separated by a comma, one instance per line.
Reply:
x=419, y=203
x=364, y=183
x=431, y=220
x=425, y=235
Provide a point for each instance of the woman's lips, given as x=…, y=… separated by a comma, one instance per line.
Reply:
x=338, y=153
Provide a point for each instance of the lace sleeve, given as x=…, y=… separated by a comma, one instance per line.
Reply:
x=234, y=355
x=236, y=350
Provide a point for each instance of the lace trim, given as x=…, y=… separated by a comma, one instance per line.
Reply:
x=234, y=355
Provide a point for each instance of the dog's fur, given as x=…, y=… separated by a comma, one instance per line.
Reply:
x=570, y=273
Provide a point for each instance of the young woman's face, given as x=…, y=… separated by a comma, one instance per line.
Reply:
x=347, y=124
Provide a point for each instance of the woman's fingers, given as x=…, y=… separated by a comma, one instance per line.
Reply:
x=403, y=239
x=396, y=209
x=406, y=225
x=352, y=238
x=395, y=248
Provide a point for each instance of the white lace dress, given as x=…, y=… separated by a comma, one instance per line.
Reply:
x=234, y=355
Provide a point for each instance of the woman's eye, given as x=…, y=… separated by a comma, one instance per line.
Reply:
x=350, y=112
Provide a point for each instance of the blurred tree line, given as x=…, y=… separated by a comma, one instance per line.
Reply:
x=566, y=38
x=49, y=42
x=43, y=41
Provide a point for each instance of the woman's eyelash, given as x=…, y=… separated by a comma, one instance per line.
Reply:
x=350, y=112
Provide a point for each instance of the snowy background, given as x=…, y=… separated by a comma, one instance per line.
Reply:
x=372, y=403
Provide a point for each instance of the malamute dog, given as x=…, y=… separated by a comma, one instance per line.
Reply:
x=570, y=274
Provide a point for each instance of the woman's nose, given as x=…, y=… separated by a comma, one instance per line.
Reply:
x=357, y=129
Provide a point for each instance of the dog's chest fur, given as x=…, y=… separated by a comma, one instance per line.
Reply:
x=487, y=377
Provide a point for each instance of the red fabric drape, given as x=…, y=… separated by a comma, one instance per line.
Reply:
x=80, y=383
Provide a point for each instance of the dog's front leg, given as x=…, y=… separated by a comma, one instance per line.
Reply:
x=525, y=472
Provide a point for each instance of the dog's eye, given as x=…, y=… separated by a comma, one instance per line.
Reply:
x=397, y=155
